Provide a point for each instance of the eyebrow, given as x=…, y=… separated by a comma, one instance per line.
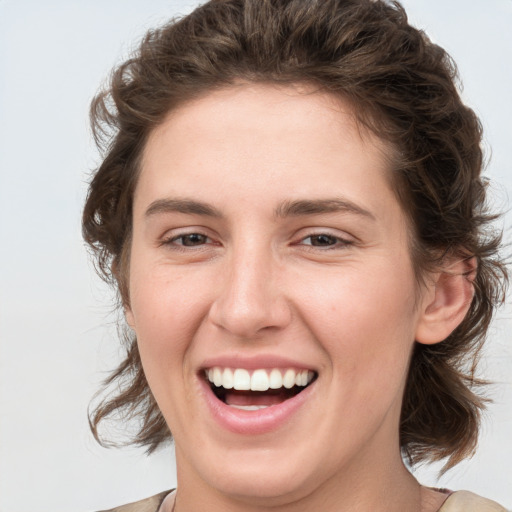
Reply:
x=187, y=206
x=319, y=206
x=296, y=208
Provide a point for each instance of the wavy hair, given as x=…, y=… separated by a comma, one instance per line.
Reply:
x=403, y=87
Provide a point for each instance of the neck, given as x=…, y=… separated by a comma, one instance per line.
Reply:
x=364, y=489
x=430, y=501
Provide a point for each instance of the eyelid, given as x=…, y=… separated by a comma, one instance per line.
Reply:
x=181, y=237
x=331, y=232
x=169, y=238
x=343, y=239
x=339, y=242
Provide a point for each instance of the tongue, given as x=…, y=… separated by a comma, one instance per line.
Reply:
x=233, y=397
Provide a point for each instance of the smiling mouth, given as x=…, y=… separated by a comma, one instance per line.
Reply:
x=257, y=389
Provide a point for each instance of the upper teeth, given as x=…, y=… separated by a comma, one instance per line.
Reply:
x=260, y=380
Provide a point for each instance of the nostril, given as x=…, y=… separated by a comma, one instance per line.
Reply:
x=247, y=309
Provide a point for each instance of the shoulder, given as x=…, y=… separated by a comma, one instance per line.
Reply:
x=151, y=504
x=465, y=501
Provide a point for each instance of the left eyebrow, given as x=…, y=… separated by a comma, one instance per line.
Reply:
x=315, y=207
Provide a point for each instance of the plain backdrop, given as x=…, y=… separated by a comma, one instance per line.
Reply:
x=57, y=329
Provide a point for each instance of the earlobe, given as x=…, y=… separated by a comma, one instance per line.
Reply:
x=447, y=301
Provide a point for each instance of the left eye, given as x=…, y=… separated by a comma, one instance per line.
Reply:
x=323, y=240
x=190, y=240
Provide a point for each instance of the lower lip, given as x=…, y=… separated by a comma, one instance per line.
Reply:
x=260, y=421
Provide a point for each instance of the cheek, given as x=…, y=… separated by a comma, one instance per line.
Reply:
x=164, y=304
x=365, y=321
x=167, y=310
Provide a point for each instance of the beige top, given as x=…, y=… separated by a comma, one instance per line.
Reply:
x=148, y=505
x=465, y=501
x=460, y=501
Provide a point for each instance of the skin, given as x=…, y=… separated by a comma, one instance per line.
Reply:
x=255, y=283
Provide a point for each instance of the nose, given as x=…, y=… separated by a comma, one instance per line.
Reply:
x=250, y=300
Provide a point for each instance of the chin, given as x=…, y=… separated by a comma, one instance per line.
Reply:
x=262, y=476
x=262, y=485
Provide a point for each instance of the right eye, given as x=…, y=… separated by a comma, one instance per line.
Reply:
x=188, y=240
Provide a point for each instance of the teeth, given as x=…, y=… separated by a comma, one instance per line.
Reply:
x=260, y=380
x=276, y=379
x=250, y=407
x=289, y=379
x=217, y=377
x=241, y=380
x=228, y=379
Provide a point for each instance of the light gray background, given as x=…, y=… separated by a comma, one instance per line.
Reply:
x=57, y=331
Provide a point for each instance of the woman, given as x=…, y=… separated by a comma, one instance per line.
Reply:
x=291, y=207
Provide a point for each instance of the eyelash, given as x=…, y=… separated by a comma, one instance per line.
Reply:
x=172, y=241
x=338, y=242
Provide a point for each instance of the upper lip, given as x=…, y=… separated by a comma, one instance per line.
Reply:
x=255, y=362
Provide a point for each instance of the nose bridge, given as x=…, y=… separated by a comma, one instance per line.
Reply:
x=250, y=299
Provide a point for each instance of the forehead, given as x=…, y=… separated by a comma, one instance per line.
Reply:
x=268, y=108
x=252, y=130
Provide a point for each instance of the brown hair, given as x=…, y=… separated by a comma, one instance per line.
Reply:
x=403, y=87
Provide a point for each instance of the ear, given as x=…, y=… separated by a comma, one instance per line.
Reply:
x=125, y=297
x=122, y=285
x=128, y=315
x=446, y=300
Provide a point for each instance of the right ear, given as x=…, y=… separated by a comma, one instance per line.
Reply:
x=128, y=315
x=123, y=289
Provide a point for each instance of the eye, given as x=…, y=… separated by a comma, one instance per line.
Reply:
x=325, y=240
x=188, y=240
x=321, y=240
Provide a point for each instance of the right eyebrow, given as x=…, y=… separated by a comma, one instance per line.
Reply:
x=187, y=206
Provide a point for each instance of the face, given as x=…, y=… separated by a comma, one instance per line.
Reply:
x=272, y=292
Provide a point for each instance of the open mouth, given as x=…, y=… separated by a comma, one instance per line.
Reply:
x=252, y=390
